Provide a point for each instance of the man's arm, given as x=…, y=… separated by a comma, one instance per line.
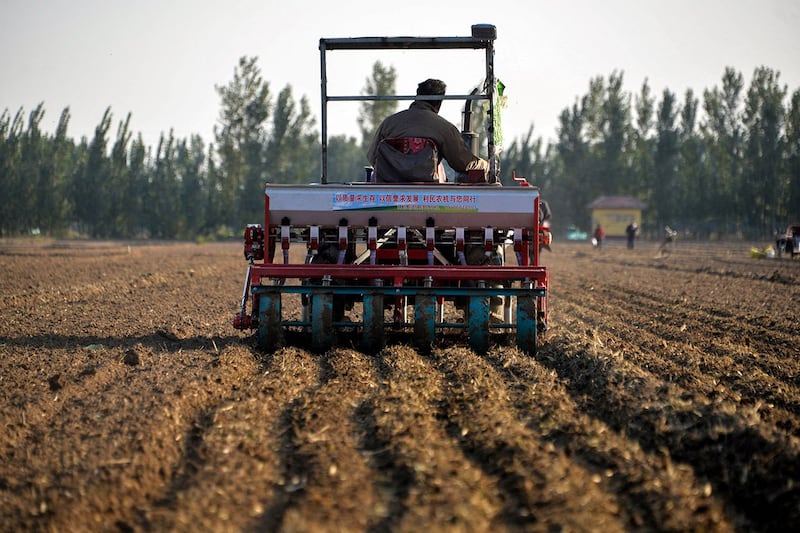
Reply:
x=458, y=156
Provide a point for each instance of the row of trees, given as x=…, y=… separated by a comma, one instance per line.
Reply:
x=728, y=164
x=118, y=187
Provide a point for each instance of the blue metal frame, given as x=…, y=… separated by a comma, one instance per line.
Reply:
x=323, y=327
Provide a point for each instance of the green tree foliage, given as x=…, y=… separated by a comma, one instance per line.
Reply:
x=11, y=130
x=90, y=186
x=214, y=204
x=642, y=146
x=292, y=153
x=723, y=165
x=372, y=112
x=193, y=189
x=346, y=159
x=53, y=206
x=791, y=180
x=593, y=148
x=666, y=161
x=241, y=139
x=136, y=189
x=763, y=184
x=574, y=187
x=164, y=191
x=615, y=125
x=693, y=192
x=346, y=156
x=258, y=141
x=722, y=132
x=526, y=153
x=604, y=136
x=33, y=174
x=117, y=215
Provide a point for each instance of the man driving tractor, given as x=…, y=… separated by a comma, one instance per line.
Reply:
x=410, y=144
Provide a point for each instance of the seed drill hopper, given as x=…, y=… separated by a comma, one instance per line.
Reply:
x=421, y=261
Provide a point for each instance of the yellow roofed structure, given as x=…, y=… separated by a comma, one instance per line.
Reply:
x=615, y=213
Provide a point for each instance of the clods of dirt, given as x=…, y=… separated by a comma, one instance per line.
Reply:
x=665, y=396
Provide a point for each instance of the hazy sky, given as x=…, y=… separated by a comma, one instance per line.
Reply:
x=161, y=60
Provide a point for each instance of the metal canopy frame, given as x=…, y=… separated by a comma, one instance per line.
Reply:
x=482, y=38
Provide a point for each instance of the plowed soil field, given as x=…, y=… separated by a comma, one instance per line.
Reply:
x=665, y=396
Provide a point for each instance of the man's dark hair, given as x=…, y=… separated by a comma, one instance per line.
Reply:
x=432, y=87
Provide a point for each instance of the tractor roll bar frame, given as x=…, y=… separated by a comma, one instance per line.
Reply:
x=483, y=37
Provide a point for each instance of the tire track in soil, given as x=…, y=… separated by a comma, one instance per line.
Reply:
x=721, y=374
x=652, y=493
x=53, y=314
x=33, y=401
x=245, y=440
x=691, y=261
x=711, y=326
x=324, y=471
x=542, y=487
x=430, y=483
x=192, y=437
x=689, y=327
x=106, y=453
x=734, y=445
x=747, y=461
x=766, y=329
x=42, y=444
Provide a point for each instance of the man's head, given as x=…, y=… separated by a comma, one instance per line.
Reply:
x=432, y=87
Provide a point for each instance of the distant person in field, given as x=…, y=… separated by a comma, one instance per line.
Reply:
x=598, y=235
x=630, y=232
x=669, y=238
x=409, y=145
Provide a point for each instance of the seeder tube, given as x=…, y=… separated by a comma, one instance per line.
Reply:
x=246, y=290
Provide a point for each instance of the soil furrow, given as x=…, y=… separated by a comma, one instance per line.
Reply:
x=720, y=440
x=650, y=496
x=707, y=326
x=245, y=439
x=107, y=446
x=445, y=490
x=476, y=399
x=722, y=374
x=325, y=460
x=665, y=396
